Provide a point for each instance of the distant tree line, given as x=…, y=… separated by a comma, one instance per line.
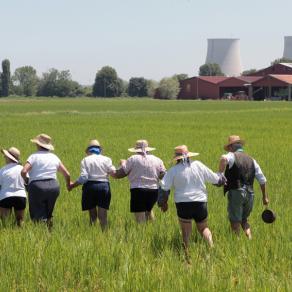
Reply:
x=26, y=82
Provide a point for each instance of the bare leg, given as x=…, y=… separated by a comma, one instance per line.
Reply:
x=246, y=228
x=186, y=229
x=19, y=215
x=205, y=232
x=50, y=223
x=149, y=216
x=4, y=213
x=102, y=217
x=92, y=215
x=140, y=217
x=235, y=226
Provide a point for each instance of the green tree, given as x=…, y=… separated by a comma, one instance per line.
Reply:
x=210, y=69
x=107, y=83
x=281, y=60
x=181, y=77
x=137, y=87
x=248, y=72
x=152, y=86
x=5, y=78
x=168, y=88
x=59, y=83
x=25, y=81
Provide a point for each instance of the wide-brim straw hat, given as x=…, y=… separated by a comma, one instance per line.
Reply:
x=141, y=146
x=232, y=140
x=93, y=143
x=12, y=153
x=44, y=141
x=182, y=151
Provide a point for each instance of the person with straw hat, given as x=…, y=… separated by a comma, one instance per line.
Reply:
x=43, y=187
x=144, y=171
x=188, y=179
x=12, y=189
x=240, y=171
x=94, y=176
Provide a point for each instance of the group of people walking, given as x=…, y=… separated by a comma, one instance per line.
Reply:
x=150, y=183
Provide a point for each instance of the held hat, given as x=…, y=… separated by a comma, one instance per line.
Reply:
x=141, y=146
x=233, y=139
x=182, y=151
x=12, y=153
x=44, y=141
x=268, y=216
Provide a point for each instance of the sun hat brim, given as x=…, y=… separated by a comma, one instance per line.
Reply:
x=139, y=150
x=237, y=141
x=7, y=154
x=190, y=154
x=46, y=146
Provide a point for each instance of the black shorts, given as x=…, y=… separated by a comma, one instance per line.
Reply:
x=143, y=200
x=42, y=196
x=192, y=210
x=18, y=203
x=96, y=193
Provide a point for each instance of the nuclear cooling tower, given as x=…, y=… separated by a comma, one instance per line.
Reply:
x=226, y=53
x=288, y=47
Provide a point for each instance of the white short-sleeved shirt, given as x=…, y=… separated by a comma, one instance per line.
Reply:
x=230, y=157
x=143, y=171
x=11, y=182
x=95, y=168
x=44, y=165
x=188, y=181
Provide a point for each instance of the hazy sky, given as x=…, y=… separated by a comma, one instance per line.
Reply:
x=149, y=38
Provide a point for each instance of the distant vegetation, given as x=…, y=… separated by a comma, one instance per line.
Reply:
x=210, y=69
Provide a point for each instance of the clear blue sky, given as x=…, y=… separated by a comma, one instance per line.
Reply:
x=149, y=38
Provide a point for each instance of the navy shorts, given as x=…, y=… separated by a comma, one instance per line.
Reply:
x=143, y=200
x=18, y=203
x=96, y=194
x=42, y=196
x=192, y=210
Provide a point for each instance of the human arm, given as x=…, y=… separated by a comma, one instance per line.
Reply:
x=164, y=190
x=123, y=170
x=62, y=169
x=26, y=168
x=260, y=177
x=223, y=163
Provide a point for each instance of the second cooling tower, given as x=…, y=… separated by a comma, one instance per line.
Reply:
x=225, y=53
x=288, y=47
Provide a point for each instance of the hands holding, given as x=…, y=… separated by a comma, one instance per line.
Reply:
x=70, y=186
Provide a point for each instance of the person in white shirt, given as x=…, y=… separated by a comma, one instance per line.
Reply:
x=12, y=189
x=94, y=176
x=144, y=171
x=240, y=172
x=43, y=187
x=188, y=179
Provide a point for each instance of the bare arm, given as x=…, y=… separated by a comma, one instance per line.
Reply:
x=25, y=170
x=265, y=195
x=222, y=164
x=65, y=173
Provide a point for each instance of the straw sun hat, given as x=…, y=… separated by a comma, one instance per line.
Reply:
x=44, y=141
x=141, y=146
x=233, y=139
x=182, y=151
x=12, y=153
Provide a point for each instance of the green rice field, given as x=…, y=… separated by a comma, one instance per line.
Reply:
x=149, y=257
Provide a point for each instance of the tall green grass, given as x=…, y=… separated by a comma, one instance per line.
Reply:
x=128, y=257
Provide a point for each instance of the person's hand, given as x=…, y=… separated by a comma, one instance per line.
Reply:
x=164, y=207
x=70, y=186
x=123, y=162
x=265, y=200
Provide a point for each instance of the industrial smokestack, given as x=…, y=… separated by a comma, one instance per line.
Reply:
x=226, y=53
x=288, y=47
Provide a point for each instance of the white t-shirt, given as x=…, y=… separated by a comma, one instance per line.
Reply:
x=188, y=181
x=143, y=171
x=230, y=157
x=11, y=182
x=44, y=165
x=95, y=168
